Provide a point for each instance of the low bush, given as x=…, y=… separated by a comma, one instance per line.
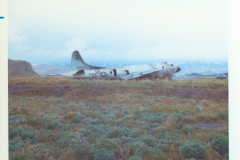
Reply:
x=149, y=140
x=16, y=119
x=98, y=129
x=136, y=132
x=49, y=135
x=17, y=144
x=158, y=118
x=66, y=142
x=226, y=157
x=132, y=146
x=89, y=121
x=185, y=130
x=135, y=158
x=17, y=157
x=43, y=153
x=54, y=125
x=125, y=140
x=25, y=132
x=193, y=149
x=109, y=144
x=84, y=151
x=161, y=146
x=103, y=154
x=149, y=153
x=117, y=132
x=223, y=114
x=220, y=144
x=34, y=122
x=93, y=105
x=77, y=118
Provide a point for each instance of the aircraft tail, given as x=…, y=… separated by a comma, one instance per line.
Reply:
x=77, y=63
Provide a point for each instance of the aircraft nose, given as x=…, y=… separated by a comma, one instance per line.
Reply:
x=178, y=69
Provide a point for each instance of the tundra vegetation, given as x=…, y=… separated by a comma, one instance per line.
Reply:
x=60, y=118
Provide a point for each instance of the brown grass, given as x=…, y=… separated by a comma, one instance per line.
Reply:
x=39, y=102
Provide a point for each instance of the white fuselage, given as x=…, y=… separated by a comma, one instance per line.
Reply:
x=157, y=70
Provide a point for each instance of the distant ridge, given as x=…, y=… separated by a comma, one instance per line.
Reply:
x=18, y=68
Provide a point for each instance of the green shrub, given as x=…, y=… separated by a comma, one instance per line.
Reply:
x=158, y=118
x=49, y=135
x=89, y=121
x=16, y=144
x=117, y=132
x=16, y=119
x=132, y=146
x=135, y=158
x=77, y=118
x=149, y=152
x=109, y=144
x=221, y=144
x=67, y=141
x=44, y=150
x=169, y=138
x=103, y=154
x=186, y=130
x=95, y=129
x=25, y=132
x=34, y=122
x=93, y=105
x=17, y=157
x=149, y=140
x=84, y=150
x=136, y=132
x=223, y=114
x=125, y=140
x=54, y=125
x=193, y=149
x=212, y=137
x=161, y=146
x=226, y=157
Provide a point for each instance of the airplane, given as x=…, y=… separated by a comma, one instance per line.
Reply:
x=80, y=69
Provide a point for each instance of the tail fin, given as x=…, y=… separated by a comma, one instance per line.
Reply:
x=77, y=63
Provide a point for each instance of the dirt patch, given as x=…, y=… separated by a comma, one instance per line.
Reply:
x=86, y=91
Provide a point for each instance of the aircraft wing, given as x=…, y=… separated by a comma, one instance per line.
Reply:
x=140, y=74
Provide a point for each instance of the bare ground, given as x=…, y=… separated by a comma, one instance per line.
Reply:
x=85, y=91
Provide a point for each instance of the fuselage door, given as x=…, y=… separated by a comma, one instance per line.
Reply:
x=115, y=72
x=127, y=72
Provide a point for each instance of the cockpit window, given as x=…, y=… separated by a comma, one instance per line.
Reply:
x=171, y=64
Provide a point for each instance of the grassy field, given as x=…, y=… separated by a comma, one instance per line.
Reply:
x=99, y=120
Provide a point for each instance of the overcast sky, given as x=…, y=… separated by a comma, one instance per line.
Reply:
x=44, y=31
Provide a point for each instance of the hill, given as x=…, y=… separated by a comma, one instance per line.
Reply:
x=20, y=68
x=45, y=69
